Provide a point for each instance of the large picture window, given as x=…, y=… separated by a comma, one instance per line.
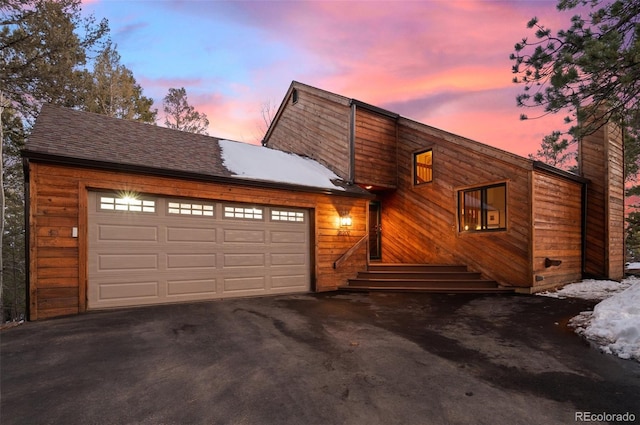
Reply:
x=483, y=209
x=423, y=167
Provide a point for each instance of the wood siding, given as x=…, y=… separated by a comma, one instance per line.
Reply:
x=375, y=149
x=601, y=161
x=317, y=125
x=557, y=230
x=419, y=223
x=58, y=202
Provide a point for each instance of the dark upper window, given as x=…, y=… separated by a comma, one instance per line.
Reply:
x=294, y=96
x=423, y=167
x=483, y=208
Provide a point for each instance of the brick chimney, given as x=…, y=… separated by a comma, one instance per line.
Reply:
x=601, y=160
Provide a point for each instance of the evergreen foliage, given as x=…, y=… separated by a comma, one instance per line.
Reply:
x=112, y=90
x=590, y=68
x=45, y=48
x=180, y=115
x=592, y=63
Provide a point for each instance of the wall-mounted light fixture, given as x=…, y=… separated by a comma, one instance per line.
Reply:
x=345, y=224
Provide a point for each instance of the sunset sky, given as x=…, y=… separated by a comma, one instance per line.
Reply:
x=441, y=62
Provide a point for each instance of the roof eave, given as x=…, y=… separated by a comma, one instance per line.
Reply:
x=36, y=156
x=541, y=166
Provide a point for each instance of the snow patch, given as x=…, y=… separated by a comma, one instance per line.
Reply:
x=589, y=289
x=261, y=163
x=633, y=266
x=614, y=323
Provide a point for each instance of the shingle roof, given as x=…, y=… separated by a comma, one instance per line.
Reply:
x=70, y=136
x=73, y=134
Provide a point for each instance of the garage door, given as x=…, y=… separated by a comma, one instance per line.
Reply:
x=153, y=250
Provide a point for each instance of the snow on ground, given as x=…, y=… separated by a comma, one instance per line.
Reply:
x=614, y=323
x=633, y=266
x=261, y=163
x=591, y=289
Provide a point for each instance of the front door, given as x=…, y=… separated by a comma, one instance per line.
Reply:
x=375, y=231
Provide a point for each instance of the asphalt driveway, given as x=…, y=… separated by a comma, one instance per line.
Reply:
x=315, y=359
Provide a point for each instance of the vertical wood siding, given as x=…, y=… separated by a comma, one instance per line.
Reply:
x=601, y=161
x=420, y=222
x=58, y=270
x=375, y=149
x=557, y=229
x=616, y=239
x=317, y=127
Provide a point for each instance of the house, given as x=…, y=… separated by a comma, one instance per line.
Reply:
x=126, y=214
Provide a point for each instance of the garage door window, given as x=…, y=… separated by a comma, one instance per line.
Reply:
x=284, y=215
x=127, y=203
x=188, y=208
x=251, y=213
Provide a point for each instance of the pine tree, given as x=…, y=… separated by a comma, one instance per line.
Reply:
x=180, y=115
x=112, y=90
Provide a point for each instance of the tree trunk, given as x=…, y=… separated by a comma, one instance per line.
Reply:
x=2, y=201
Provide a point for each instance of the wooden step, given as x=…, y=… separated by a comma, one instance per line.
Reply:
x=419, y=275
x=416, y=267
x=448, y=290
x=422, y=278
x=424, y=283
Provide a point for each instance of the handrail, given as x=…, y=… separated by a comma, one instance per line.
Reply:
x=350, y=252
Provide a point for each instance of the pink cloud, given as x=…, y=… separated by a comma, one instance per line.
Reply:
x=446, y=63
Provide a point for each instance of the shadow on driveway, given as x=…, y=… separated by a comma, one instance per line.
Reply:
x=315, y=359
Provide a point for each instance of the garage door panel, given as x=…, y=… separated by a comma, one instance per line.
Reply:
x=119, y=262
x=190, y=234
x=241, y=284
x=290, y=281
x=244, y=236
x=193, y=286
x=124, y=233
x=288, y=259
x=295, y=237
x=188, y=262
x=244, y=260
x=128, y=291
x=138, y=258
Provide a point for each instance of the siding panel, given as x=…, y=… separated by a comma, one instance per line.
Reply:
x=420, y=222
x=557, y=223
x=315, y=126
x=375, y=149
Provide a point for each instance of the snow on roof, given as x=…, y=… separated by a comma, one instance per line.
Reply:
x=614, y=323
x=262, y=163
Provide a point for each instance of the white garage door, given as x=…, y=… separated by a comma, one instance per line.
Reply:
x=152, y=250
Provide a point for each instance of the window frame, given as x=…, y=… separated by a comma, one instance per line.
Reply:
x=484, y=213
x=287, y=215
x=190, y=208
x=142, y=205
x=245, y=214
x=414, y=167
